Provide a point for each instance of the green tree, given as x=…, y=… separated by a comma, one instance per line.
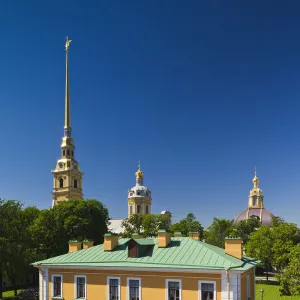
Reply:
x=289, y=277
x=244, y=228
x=217, y=231
x=186, y=225
x=17, y=248
x=260, y=246
x=73, y=219
x=132, y=224
x=285, y=236
x=276, y=221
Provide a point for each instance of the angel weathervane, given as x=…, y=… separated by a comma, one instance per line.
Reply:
x=67, y=44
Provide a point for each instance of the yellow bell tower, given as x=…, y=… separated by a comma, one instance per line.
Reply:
x=67, y=176
x=139, y=197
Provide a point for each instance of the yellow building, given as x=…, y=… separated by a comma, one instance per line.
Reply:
x=162, y=268
x=67, y=177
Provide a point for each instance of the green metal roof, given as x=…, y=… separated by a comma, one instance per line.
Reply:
x=182, y=252
x=145, y=242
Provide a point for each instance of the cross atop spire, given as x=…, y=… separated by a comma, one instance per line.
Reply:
x=139, y=165
x=67, y=92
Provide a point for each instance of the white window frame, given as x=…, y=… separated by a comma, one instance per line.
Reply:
x=75, y=286
x=119, y=286
x=140, y=287
x=61, y=285
x=167, y=287
x=207, y=281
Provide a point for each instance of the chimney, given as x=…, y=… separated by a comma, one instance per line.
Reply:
x=110, y=241
x=87, y=244
x=194, y=235
x=233, y=246
x=135, y=235
x=177, y=234
x=164, y=238
x=74, y=245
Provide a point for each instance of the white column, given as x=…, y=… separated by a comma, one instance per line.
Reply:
x=46, y=285
x=235, y=286
x=40, y=285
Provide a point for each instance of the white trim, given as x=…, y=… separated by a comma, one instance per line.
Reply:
x=61, y=284
x=167, y=288
x=206, y=281
x=174, y=270
x=75, y=286
x=119, y=286
x=140, y=287
x=40, y=284
x=46, y=284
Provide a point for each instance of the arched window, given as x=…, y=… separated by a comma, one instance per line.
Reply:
x=75, y=183
x=138, y=209
x=64, y=152
x=147, y=209
x=72, y=153
x=61, y=183
x=130, y=209
x=68, y=152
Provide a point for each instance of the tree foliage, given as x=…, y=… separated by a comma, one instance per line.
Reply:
x=147, y=225
x=73, y=219
x=186, y=225
x=290, y=276
x=244, y=228
x=17, y=247
x=28, y=234
x=217, y=231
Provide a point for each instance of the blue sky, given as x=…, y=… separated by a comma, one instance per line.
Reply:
x=200, y=91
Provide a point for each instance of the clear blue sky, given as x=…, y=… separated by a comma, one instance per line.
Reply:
x=199, y=91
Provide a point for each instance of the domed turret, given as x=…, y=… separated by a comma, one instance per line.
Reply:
x=139, y=196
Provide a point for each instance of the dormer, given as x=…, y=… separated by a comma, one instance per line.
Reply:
x=140, y=247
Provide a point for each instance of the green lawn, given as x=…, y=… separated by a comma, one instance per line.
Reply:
x=10, y=293
x=271, y=292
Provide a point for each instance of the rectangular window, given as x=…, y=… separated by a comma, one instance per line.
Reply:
x=173, y=289
x=57, y=286
x=207, y=290
x=147, y=210
x=113, y=285
x=80, y=287
x=138, y=209
x=134, y=288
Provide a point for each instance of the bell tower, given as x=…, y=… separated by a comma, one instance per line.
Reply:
x=67, y=182
x=256, y=198
x=139, y=197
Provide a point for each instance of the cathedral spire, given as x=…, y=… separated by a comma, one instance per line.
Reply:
x=67, y=175
x=67, y=93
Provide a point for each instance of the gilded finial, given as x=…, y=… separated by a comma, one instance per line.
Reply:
x=255, y=180
x=139, y=173
x=67, y=44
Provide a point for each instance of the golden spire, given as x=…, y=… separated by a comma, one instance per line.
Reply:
x=255, y=180
x=139, y=173
x=67, y=93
